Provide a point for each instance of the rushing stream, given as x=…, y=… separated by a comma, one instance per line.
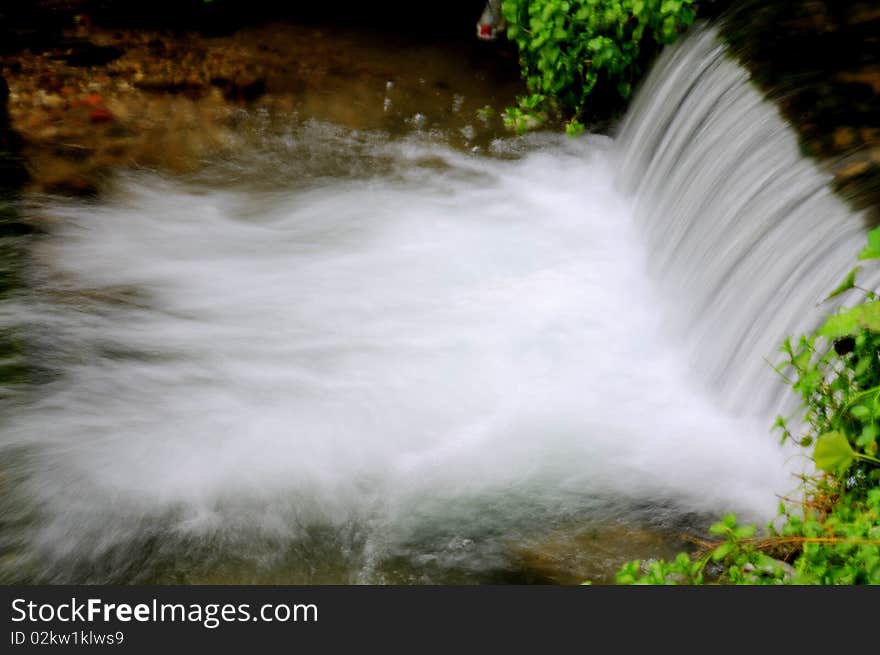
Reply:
x=344, y=356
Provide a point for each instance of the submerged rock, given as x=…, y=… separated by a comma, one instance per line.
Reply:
x=577, y=555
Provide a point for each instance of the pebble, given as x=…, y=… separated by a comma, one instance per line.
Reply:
x=101, y=115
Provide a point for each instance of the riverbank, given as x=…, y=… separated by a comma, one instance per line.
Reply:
x=111, y=98
x=90, y=99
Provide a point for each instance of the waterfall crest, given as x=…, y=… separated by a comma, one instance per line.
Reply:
x=745, y=235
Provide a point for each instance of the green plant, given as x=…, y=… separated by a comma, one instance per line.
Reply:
x=569, y=48
x=836, y=372
x=738, y=556
x=485, y=114
x=527, y=116
x=832, y=535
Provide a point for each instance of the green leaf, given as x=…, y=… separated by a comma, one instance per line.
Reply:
x=849, y=321
x=744, y=532
x=868, y=435
x=848, y=283
x=872, y=250
x=574, y=128
x=833, y=452
x=568, y=48
x=722, y=551
x=718, y=528
x=860, y=412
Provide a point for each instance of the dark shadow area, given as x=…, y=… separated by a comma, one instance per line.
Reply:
x=820, y=61
x=39, y=23
x=12, y=170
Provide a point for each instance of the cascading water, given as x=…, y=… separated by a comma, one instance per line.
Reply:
x=745, y=235
x=350, y=355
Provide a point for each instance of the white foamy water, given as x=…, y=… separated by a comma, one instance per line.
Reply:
x=427, y=338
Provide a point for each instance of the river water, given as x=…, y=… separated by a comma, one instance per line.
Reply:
x=349, y=354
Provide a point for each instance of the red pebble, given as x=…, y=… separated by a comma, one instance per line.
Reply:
x=101, y=115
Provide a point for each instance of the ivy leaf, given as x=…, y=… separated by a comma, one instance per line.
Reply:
x=833, y=452
x=848, y=283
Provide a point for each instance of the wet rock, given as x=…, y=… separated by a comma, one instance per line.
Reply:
x=574, y=555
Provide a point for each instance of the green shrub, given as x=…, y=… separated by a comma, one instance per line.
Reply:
x=569, y=48
x=832, y=534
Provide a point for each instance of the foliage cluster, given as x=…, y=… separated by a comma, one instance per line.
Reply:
x=832, y=534
x=569, y=48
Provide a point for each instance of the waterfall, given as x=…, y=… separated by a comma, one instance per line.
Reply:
x=745, y=235
x=421, y=354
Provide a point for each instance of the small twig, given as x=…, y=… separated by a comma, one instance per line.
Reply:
x=805, y=503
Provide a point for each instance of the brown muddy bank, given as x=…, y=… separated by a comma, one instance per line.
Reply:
x=144, y=90
x=110, y=98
